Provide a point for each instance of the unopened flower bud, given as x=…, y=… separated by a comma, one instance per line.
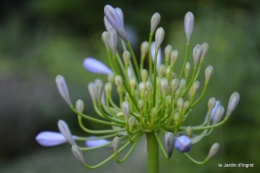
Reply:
x=174, y=57
x=208, y=73
x=144, y=75
x=186, y=106
x=167, y=52
x=177, y=117
x=107, y=24
x=155, y=21
x=63, y=89
x=189, y=131
x=187, y=70
x=112, y=41
x=188, y=25
x=104, y=37
x=64, y=129
x=233, y=101
x=164, y=86
x=159, y=56
x=116, y=21
x=118, y=81
x=174, y=85
x=132, y=82
x=79, y=105
x=211, y=104
x=91, y=89
x=183, y=144
x=161, y=70
x=217, y=114
x=205, y=48
x=144, y=49
x=131, y=123
x=108, y=88
x=98, y=90
x=197, y=52
x=213, y=150
x=49, y=139
x=126, y=109
x=180, y=103
x=78, y=154
x=116, y=144
x=95, y=66
x=142, y=87
x=126, y=57
x=169, y=143
x=159, y=36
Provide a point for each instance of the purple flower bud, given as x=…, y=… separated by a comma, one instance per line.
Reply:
x=116, y=21
x=96, y=143
x=183, y=144
x=96, y=66
x=49, y=139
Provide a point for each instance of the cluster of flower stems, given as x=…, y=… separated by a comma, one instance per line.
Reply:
x=153, y=101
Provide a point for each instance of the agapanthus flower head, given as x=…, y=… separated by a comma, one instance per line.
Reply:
x=153, y=98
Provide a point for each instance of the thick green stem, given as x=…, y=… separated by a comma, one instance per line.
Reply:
x=153, y=153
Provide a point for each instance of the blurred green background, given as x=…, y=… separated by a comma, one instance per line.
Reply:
x=40, y=39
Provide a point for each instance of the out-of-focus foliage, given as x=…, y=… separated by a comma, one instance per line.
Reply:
x=41, y=39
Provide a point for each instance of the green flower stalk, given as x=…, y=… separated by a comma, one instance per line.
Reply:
x=154, y=102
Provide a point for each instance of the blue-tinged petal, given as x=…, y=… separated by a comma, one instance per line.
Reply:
x=95, y=66
x=96, y=143
x=49, y=139
x=183, y=144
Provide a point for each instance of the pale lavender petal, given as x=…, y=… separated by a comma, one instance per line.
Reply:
x=96, y=143
x=214, y=109
x=95, y=66
x=49, y=139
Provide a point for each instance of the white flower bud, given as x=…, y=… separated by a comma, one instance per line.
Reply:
x=144, y=75
x=64, y=129
x=159, y=56
x=98, y=90
x=118, y=81
x=205, y=48
x=126, y=109
x=159, y=36
x=174, y=85
x=208, y=73
x=180, y=104
x=189, y=131
x=233, y=101
x=211, y=104
x=164, y=86
x=155, y=21
x=144, y=49
x=112, y=41
x=107, y=24
x=167, y=52
x=213, y=150
x=79, y=105
x=187, y=70
x=126, y=57
x=116, y=144
x=78, y=154
x=63, y=89
x=188, y=25
x=217, y=113
x=104, y=37
x=197, y=52
x=174, y=57
x=91, y=89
